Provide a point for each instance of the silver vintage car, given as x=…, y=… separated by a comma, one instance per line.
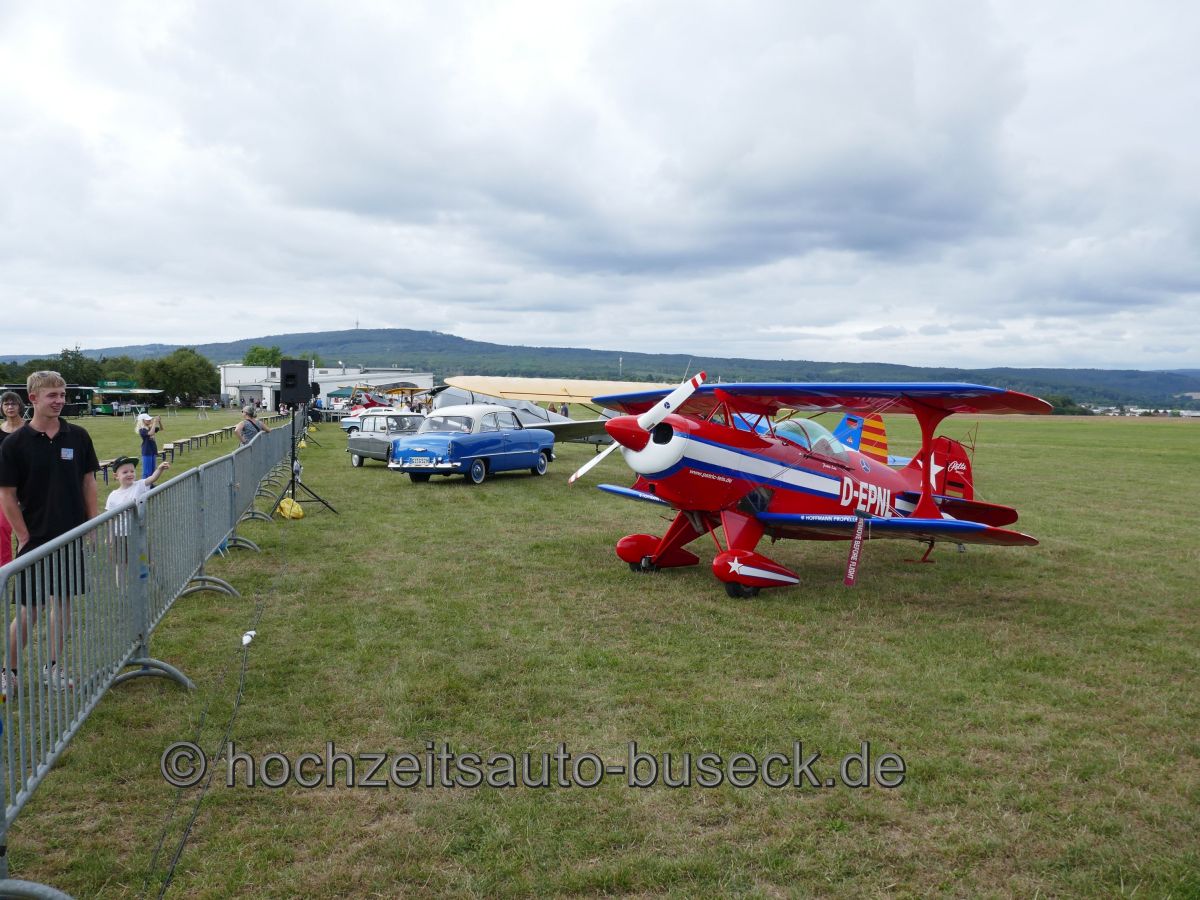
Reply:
x=376, y=429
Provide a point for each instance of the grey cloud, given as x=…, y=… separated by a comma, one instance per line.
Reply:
x=829, y=177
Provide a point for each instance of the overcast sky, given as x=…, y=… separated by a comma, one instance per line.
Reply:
x=953, y=182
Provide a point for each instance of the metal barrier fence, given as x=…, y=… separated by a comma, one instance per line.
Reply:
x=81, y=609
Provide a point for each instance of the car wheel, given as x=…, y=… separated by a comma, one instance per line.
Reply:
x=418, y=477
x=539, y=468
x=477, y=472
x=351, y=429
x=356, y=460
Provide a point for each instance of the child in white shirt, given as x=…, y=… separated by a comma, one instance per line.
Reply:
x=125, y=468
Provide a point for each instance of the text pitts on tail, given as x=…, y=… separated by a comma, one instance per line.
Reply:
x=737, y=457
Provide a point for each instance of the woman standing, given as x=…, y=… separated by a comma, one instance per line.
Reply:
x=13, y=408
x=147, y=426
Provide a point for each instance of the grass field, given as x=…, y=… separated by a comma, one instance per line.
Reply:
x=1043, y=700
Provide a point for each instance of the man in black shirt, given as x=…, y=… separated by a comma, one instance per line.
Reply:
x=47, y=487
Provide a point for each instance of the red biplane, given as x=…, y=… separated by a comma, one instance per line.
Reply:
x=739, y=457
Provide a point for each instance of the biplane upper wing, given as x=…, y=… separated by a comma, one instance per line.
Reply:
x=860, y=398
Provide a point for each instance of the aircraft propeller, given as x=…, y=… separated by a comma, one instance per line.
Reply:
x=647, y=420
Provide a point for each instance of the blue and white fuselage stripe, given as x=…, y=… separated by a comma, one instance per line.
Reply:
x=725, y=460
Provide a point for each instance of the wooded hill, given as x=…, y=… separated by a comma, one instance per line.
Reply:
x=447, y=354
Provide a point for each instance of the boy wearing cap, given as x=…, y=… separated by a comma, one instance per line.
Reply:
x=130, y=488
x=147, y=426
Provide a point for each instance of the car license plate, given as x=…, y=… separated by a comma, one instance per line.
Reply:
x=419, y=461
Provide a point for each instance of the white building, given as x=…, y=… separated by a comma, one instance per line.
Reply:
x=244, y=384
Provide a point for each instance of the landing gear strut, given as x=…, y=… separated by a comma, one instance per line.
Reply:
x=643, y=567
x=925, y=558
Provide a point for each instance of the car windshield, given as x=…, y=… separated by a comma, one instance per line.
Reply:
x=446, y=424
x=403, y=423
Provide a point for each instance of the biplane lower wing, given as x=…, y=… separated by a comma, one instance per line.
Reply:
x=967, y=510
x=632, y=494
x=577, y=430
x=802, y=526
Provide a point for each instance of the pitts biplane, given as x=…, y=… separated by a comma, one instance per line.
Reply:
x=741, y=458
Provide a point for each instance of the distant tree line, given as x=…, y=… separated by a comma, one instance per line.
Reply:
x=259, y=355
x=446, y=354
x=183, y=373
x=1065, y=406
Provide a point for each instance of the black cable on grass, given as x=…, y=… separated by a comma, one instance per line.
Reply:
x=187, y=831
x=213, y=760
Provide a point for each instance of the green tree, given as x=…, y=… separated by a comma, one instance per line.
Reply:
x=75, y=368
x=262, y=356
x=185, y=373
x=12, y=372
x=311, y=355
x=118, y=368
x=1066, y=406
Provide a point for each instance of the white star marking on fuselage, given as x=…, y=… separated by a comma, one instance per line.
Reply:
x=936, y=468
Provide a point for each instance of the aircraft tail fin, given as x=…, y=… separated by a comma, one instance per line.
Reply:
x=952, y=475
x=866, y=434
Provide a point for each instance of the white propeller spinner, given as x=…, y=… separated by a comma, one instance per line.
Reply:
x=648, y=419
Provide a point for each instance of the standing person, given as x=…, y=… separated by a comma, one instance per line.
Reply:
x=47, y=487
x=248, y=429
x=13, y=407
x=147, y=427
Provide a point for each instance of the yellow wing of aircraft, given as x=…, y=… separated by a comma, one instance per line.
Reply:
x=547, y=390
x=524, y=392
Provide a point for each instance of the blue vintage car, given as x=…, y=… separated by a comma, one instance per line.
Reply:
x=475, y=441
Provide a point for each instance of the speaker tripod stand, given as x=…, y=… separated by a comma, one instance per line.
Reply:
x=295, y=484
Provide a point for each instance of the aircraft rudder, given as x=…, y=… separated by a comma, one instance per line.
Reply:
x=954, y=478
x=866, y=434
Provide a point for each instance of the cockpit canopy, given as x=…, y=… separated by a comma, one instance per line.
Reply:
x=811, y=435
x=806, y=433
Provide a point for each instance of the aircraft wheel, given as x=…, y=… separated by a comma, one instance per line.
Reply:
x=539, y=468
x=478, y=471
x=418, y=477
x=645, y=567
x=740, y=591
x=356, y=460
